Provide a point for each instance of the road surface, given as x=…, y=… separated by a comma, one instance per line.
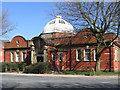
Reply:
x=57, y=81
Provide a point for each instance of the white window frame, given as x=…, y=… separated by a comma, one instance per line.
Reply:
x=94, y=54
x=23, y=58
x=85, y=55
x=52, y=56
x=12, y=56
x=1, y=53
x=62, y=56
x=77, y=55
x=17, y=56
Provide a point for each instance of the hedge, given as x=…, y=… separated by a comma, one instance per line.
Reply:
x=11, y=66
x=41, y=67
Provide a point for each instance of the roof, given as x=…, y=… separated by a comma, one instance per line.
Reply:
x=58, y=25
x=80, y=38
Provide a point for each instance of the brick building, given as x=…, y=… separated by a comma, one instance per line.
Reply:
x=1, y=51
x=17, y=50
x=65, y=50
x=80, y=52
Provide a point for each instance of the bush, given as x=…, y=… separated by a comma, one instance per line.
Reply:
x=12, y=66
x=41, y=67
x=21, y=66
x=9, y=66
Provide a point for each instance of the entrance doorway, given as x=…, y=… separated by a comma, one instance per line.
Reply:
x=39, y=59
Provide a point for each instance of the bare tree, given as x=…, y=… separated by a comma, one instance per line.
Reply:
x=100, y=17
x=5, y=25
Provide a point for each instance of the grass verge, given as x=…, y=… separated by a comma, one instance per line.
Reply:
x=88, y=73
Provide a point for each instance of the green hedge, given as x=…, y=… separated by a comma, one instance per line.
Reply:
x=12, y=66
x=21, y=66
x=41, y=67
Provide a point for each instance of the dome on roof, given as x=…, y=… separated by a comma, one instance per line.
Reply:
x=58, y=25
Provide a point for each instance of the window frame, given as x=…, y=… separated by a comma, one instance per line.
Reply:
x=17, y=41
x=1, y=54
x=77, y=58
x=23, y=57
x=116, y=54
x=95, y=55
x=17, y=56
x=86, y=60
x=62, y=56
x=54, y=56
x=12, y=56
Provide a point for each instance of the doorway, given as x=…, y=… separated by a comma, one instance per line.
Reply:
x=40, y=59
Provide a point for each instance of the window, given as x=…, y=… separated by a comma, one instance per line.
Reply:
x=115, y=54
x=61, y=21
x=23, y=56
x=61, y=57
x=17, y=57
x=94, y=54
x=87, y=35
x=87, y=55
x=52, y=22
x=1, y=54
x=12, y=57
x=17, y=41
x=53, y=57
x=78, y=55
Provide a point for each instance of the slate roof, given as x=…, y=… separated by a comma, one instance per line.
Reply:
x=80, y=38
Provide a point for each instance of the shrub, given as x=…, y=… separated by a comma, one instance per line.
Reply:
x=41, y=67
x=21, y=66
x=9, y=66
x=12, y=66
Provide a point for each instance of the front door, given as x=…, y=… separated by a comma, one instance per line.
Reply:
x=40, y=59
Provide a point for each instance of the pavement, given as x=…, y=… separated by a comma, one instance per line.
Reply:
x=63, y=75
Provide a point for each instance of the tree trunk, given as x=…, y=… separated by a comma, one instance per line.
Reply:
x=98, y=57
x=98, y=64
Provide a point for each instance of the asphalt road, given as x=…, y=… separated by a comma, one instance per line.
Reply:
x=22, y=81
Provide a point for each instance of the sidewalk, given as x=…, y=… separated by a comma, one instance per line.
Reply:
x=63, y=76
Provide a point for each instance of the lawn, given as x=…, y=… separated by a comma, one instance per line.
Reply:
x=88, y=73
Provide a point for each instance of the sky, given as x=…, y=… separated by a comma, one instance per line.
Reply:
x=30, y=18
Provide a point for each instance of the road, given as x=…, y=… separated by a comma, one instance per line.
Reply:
x=42, y=81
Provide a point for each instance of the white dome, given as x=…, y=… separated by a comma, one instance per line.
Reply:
x=58, y=25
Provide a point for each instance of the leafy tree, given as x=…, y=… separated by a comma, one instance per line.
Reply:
x=100, y=17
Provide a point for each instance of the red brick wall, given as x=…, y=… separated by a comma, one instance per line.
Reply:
x=22, y=43
x=63, y=34
x=14, y=47
x=1, y=53
x=87, y=65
